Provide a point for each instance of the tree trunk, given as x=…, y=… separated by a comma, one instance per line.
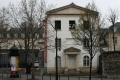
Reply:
x=33, y=73
x=90, y=68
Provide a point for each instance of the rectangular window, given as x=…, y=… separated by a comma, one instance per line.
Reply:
x=58, y=43
x=72, y=24
x=16, y=35
x=86, y=25
x=57, y=24
x=22, y=35
x=86, y=42
x=1, y=35
x=8, y=35
x=58, y=61
x=4, y=60
x=115, y=40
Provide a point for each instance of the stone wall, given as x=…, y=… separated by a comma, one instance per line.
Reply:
x=111, y=63
x=86, y=70
x=52, y=70
x=83, y=70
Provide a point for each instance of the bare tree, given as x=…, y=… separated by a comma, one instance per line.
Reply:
x=112, y=18
x=87, y=32
x=28, y=16
x=4, y=24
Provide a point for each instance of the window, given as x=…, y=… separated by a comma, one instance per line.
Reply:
x=58, y=43
x=115, y=29
x=115, y=40
x=86, y=42
x=86, y=61
x=58, y=61
x=71, y=24
x=36, y=35
x=22, y=35
x=16, y=35
x=8, y=35
x=1, y=35
x=57, y=24
x=4, y=60
x=86, y=25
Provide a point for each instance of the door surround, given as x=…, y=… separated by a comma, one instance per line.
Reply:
x=72, y=52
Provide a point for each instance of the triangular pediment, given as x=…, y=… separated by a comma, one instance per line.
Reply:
x=71, y=49
x=69, y=9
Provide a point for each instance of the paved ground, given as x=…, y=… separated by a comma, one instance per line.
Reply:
x=38, y=77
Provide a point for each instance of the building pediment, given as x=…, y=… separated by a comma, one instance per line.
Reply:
x=69, y=9
x=71, y=49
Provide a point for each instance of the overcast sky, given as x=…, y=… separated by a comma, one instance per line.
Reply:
x=103, y=5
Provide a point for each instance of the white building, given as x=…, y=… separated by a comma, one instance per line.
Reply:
x=72, y=58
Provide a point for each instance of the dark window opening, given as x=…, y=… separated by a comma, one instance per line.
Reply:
x=58, y=61
x=4, y=58
x=72, y=24
x=86, y=61
x=58, y=44
x=115, y=40
x=86, y=42
x=57, y=24
x=86, y=25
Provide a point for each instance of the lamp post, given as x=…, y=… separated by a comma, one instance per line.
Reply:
x=56, y=65
x=56, y=56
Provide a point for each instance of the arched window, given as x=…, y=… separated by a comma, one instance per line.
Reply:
x=86, y=61
x=58, y=61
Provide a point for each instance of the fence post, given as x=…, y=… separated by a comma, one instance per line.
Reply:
x=27, y=76
x=20, y=76
x=7, y=73
x=50, y=77
x=42, y=77
x=101, y=77
x=2, y=74
x=68, y=77
x=59, y=77
x=78, y=77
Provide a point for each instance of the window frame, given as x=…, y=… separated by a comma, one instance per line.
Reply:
x=71, y=23
x=86, y=42
x=22, y=35
x=58, y=43
x=86, y=24
x=115, y=41
x=86, y=61
x=16, y=35
x=57, y=24
x=8, y=35
x=58, y=61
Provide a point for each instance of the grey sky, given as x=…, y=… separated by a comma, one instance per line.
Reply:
x=103, y=5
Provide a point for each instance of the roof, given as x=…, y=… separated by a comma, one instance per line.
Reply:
x=117, y=26
x=69, y=6
x=112, y=52
x=71, y=49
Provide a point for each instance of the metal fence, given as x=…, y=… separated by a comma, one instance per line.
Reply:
x=6, y=76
